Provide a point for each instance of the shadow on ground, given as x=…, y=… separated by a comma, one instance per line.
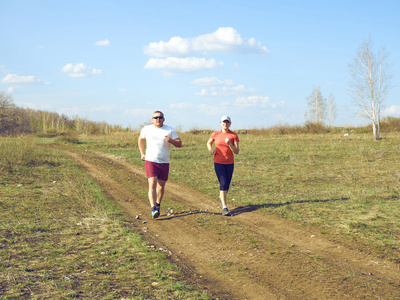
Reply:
x=252, y=207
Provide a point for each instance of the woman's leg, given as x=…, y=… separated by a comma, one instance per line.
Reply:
x=224, y=174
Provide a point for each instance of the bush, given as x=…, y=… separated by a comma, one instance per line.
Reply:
x=50, y=133
x=390, y=124
x=16, y=152
x=314, y=127
x=70, y=136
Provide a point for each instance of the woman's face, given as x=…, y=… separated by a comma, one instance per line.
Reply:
x=225, y=124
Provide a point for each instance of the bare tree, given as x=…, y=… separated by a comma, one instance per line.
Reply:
x=7, y=113
x=317, y=107
x=331, y=110
x=370, y=82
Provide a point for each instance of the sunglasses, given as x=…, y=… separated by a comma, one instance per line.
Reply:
x=158, y=117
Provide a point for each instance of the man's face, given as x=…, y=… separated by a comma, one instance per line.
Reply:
x=158, y=119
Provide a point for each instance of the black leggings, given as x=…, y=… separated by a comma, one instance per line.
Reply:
x=224, y=174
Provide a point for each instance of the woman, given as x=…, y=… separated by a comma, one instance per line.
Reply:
x=226, y=144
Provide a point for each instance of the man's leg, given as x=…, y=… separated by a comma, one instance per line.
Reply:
x=160, y=190
x=152, y=191
x=156, y=194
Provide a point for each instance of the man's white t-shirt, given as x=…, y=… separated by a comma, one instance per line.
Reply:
x=157, y=148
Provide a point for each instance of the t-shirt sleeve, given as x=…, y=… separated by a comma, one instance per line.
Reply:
x=213, y=135
x=174, y=134
x=143, y=132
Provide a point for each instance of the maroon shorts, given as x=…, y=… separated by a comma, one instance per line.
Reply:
x=156, y=170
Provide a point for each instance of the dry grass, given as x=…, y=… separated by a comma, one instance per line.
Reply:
x=347, y=184
x=61, y=238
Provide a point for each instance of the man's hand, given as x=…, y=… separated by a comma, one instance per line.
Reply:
x=168, y=139
x=176, y=142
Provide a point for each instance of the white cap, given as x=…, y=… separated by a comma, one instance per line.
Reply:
x=226, y=118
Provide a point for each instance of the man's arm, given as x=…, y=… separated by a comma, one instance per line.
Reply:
x=176, y=142
x=141, y=147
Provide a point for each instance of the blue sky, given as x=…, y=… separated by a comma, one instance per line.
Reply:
x=257, y=61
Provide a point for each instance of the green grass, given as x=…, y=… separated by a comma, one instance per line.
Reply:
x=61, y=238
x=338, y=185
x=341, y=184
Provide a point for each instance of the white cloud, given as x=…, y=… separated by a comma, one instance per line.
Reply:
x=224, y=39
x=69, y=111
x=209, y=110
x=3, y=69
x=211, y=81
x=393, y=110
x=139, y=112
x=33, y=105
x=172, y=65
x=121, y=90
x=180, y=105
x=96, y=71
x=256, y=101
x=176, y=46
x=225, y=91
x=10, y=89
x=79, y=70
x=102, y=43
x=14, y=78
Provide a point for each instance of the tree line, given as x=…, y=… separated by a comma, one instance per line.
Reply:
x=15, y=120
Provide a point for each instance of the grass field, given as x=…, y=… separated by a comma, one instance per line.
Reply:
x=60, y=237
x=348, y=185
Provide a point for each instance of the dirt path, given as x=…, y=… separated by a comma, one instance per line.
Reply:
x=249, y=255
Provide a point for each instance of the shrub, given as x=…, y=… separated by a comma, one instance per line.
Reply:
x=15, y=152
x=70, y=136
x=314, y=127
x=50, y=133
x=390, y=124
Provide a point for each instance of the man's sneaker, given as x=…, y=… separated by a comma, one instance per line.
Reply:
x=225, y=212
x=158, y=209
x=155, y=213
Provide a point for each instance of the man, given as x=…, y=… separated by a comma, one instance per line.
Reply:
x=159, y=138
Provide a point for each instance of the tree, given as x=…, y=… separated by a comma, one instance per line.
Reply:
x=370, y=83
x=317, y=107
x=331, y=110
x=7, y=113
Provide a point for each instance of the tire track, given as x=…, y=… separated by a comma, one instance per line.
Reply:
x=247, y=256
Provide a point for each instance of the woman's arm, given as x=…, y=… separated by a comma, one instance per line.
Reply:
x=234, y=147
x=209, y=146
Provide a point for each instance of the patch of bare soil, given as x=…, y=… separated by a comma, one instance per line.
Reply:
x=249, y=255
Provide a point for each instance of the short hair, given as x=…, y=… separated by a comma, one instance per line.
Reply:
x=158, y=112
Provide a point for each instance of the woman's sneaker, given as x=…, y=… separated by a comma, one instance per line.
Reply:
x=225, y=212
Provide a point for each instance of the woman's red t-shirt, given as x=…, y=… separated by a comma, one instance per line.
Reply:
x=224, y=154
